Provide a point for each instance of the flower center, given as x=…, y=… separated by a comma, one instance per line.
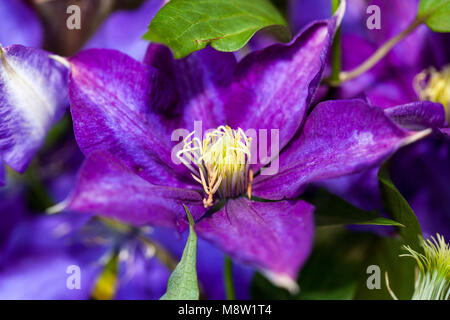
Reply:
x=434, y=86
x=220, y=163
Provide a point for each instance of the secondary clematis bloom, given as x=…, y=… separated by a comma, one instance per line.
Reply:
x=124, y=113
x=415, y=69
x=420, y=171
x=36, y=257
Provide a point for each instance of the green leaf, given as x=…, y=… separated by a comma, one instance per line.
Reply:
x=227, y=25
x=333, y=270
x=183, y=284
x=385, y=254
x=333, y=210
x=399, y=209
x=436, y=14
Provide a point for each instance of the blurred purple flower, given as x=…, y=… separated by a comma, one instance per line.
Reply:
x=422, y=174
x=123, y=30
x=303, y=12
x=391, y=81
x=20, y=24
x=35, y=252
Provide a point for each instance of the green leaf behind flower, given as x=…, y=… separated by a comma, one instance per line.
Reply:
x=227, y=25
x=384, y=253
x=183, y=283
x=399, y=209
x=333, y=210
x=436, y=14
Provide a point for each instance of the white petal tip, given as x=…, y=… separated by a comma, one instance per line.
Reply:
x=341, y=11
x=417, y=136
x=57, y=208
x=61, y=60
x=283, y=281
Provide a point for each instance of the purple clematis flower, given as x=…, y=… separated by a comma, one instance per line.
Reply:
x=124, y=113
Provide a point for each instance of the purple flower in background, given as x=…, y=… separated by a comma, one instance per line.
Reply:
x=20, y=24
x=123, y=30
x=403, y=75
x=421, y=173
x=35, y=258
x=420, y=170
x=124, y=113
x=303, y=12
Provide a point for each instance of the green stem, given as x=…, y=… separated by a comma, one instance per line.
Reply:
x=377, y=56
x=228, y=277
x=336, y=48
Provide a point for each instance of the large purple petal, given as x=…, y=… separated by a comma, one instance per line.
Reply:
x=123, y=30
x=107, y=187
x=418, y=115
x=112, y=97
x=200, y=84
x=339, y=138
x=274, y=237
x=33, y=96
x=20, y=25
x=273, y=88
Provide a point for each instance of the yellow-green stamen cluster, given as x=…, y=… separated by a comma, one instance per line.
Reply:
x=220, y=162
x=434, y=86
x=433, y=280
